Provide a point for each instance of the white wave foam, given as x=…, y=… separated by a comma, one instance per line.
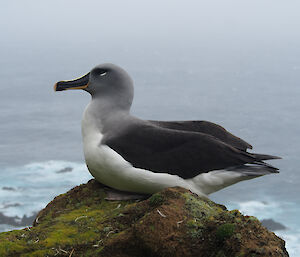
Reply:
x=263, y=210
x=292, y=242
x=4, y=228
x=30, y=187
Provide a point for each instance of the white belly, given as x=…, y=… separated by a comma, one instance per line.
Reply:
x=109, y=168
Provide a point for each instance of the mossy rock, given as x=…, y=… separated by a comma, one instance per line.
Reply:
x=173, y=222
x=225, y=231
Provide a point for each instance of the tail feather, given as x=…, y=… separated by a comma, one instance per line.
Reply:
x=262, y=157
x=265, y=165
x=259, y=169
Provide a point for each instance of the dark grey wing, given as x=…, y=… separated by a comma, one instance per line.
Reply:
x=181, y=153
x=207, y=128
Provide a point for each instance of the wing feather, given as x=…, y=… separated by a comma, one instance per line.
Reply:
x=178, y=152
x=205, y=127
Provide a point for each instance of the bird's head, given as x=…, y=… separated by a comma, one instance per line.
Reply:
x=104, y=82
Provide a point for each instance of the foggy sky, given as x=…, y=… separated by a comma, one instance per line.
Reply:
x=60, y=23
x=203, y=33
x=168, y=47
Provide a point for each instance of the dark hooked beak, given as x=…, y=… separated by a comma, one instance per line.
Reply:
x=79, y=83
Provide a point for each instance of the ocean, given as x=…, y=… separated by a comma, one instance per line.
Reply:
x=41, y=149
x=243, y=75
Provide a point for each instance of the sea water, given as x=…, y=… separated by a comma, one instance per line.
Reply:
x=41, y=148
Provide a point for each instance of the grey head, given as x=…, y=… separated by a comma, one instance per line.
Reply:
x=107, y=83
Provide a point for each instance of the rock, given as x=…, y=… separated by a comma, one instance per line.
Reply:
x=8, y=188
x=173, y=222
x=273, y=225
x=16, y=221
x=67, y=169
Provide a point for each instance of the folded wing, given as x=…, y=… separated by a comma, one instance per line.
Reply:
x=205, y=127
x=178, y=152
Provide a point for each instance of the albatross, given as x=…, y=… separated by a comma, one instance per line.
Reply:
x=129, y=154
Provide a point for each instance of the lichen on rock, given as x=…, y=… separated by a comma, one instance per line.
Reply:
x=173, y=222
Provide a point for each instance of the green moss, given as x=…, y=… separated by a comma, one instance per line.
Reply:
x=195, y=229
x=225, y=231
x=74, y=224
x=252, y=218
x=39, y=253
x=88, y=236
x=60, y=236
x=201, y=210
x=196, y=233
x=156, y=199
x=10, y=248
x=92, y=252
x=238, y=236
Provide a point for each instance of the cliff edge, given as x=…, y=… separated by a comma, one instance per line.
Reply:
x=173, y=222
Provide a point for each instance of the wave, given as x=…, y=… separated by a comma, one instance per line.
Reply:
x=25, y=190
x=292, y=242
x=261, y=209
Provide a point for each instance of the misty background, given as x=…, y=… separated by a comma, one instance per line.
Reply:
x=235, y=63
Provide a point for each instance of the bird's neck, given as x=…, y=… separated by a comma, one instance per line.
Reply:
x=103, y=116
